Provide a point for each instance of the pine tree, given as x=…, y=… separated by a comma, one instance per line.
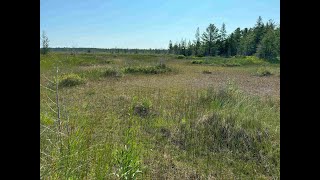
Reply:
x=45, y=43
x=176, y=48
x=209, y=39
x=197, y=43
x=267, y=49
x=259, y=31
x=247, y=44
x=222, y=40
x=170, y=47
x=189, y=48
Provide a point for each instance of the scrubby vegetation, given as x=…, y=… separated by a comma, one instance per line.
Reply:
x=69, y=80
x=264, y=71
x=147, y=69
x=195, y=123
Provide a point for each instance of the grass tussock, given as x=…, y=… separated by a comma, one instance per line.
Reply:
x=263, y=71
x=69, y=80
x=158, y=69
x=111, y=72
x=181, y=57
x=229, y=62
x=206, y=72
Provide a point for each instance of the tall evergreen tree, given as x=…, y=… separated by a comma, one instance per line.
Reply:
x=176, y=48
x=259, y=31
x=222, y=40
x=209, y=39
x=247, y=44
x=267, y=49
x=189, y=49
x=170, y=47
x=236, y=39
x=223, y=32
x=197, y=43
x=45, y=43
x=277, y=33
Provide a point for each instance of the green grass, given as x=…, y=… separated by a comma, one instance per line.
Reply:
x=190, y=124
x=69, y=80
x=230, y=62
x=263, y=71
x=158, y=69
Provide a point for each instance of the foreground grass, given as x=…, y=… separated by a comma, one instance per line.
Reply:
x=112, y=128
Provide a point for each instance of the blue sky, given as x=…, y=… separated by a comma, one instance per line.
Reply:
x=144, y=23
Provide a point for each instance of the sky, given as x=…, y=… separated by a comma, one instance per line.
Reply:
x=145, y=23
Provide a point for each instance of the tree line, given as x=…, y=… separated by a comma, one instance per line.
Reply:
x=262, y=40
x=110, y=50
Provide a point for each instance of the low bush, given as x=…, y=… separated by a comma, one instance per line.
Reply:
x=180, y=57
x=158, y=69
x=69, y=80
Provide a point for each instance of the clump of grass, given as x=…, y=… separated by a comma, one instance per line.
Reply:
x=197, y=61
x=46, y=119
x=69, y=80
x=223, y=133
x=180, y=57
x=230, y=64
x=233, y=125
x=126, y=160
x=263, y=71
x=206, y=72
x=158, y=69
x=106, y=62
x=111, y=72
x=128, y=164
x=96, y=74
x=142, y=108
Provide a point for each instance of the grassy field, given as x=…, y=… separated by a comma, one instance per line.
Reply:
x=124, y=116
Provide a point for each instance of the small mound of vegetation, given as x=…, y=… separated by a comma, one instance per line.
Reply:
x=95, y=74
x=158, y=69
x=106, y=62
x=230, y=128
x=69, y=80
x=263, y=72
x=230, y=64
x=180, y=57
x=206, y=72
x=197, y=62
x=141, y=109
x=111, y=72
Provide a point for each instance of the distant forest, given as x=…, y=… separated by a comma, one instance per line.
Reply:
x=262, y=40
x=111, y=50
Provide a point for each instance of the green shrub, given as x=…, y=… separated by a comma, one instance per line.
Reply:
x=229, y=64
x=158, y=69
x=69, y=80
x=142, y=108
x=111, y=72
x=197, y=61
x=180, y=57
x=263, y=71
x=206, y=72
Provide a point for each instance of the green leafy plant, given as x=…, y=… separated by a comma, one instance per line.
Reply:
x=127, y=160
